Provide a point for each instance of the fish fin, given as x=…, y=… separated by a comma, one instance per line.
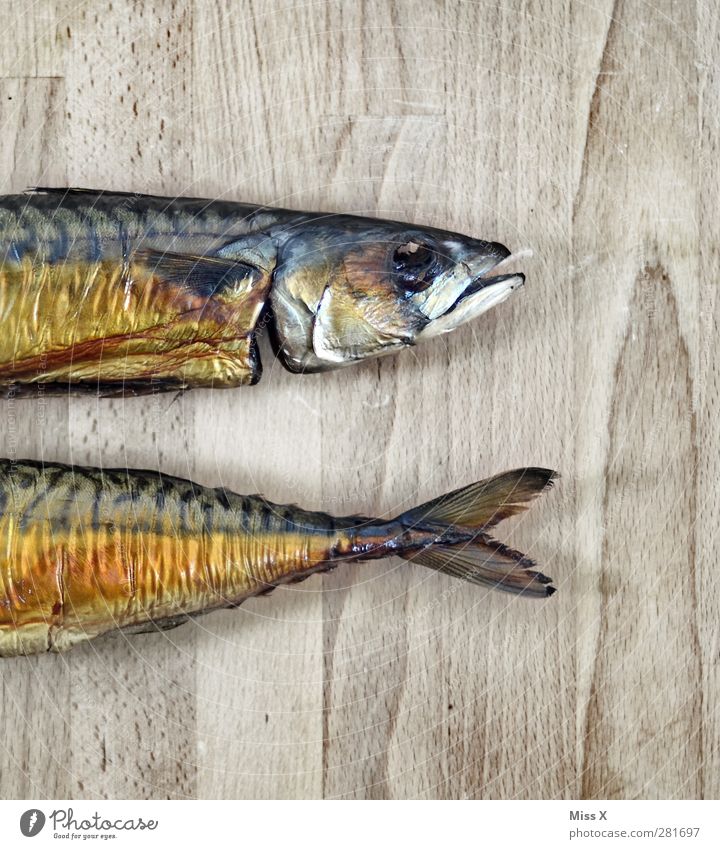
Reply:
x=487, y=562
x=154, y=625
x=458, y=544
x=100, y=389
x=96, y=194
x=205, y=275
x=71, y=190
x=485, y=503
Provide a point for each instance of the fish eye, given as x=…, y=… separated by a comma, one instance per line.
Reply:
x=412, y=262
x=413, y=255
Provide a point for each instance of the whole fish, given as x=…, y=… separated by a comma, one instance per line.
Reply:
x=117, y=293
x=85, y=551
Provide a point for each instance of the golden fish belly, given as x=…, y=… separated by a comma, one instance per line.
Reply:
x=78, y=561
x=108, y=322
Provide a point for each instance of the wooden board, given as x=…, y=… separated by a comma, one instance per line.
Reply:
x=587, y=133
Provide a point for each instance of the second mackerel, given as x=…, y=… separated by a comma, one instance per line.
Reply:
x=84, y=551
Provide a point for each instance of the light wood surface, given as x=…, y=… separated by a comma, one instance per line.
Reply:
x=587, y=132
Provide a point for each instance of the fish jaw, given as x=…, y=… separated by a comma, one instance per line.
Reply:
x=480, y=296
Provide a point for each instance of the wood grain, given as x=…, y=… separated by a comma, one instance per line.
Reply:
x=587, y=132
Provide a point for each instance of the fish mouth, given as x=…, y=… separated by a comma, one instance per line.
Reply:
x=481, y=294
x=498, y=284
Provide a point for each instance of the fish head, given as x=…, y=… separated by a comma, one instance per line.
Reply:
x=346, y=289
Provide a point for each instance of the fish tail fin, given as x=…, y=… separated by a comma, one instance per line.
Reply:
x=461, y=520
x=486, y=562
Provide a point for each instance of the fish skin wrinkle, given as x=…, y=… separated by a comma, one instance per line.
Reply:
x=88, y=550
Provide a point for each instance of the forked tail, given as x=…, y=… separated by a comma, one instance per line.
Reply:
x=460, y=522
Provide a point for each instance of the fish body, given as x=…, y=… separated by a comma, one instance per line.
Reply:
x=124, y=293
x=86, y=551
